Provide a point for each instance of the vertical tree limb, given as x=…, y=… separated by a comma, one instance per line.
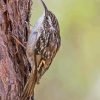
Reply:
x=14, y=66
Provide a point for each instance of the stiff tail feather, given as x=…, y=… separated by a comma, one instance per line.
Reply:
x=29, y=87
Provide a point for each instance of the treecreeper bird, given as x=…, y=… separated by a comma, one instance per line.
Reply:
x=43, y=43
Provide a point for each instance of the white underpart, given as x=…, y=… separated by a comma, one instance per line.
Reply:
x=50, y=22
x=34, y=35
x=38, y=26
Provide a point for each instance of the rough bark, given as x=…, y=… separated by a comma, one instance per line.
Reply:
x=14, y=30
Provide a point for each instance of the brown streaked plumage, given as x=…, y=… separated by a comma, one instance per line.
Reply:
x=43, y=44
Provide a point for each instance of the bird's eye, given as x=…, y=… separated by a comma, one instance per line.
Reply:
x=46, y=18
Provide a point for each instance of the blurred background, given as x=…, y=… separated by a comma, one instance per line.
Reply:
x=75, y=71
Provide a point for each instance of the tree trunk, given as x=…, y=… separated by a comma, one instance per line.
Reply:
x=14, y=30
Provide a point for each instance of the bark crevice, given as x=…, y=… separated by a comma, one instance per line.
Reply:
x=14, y=30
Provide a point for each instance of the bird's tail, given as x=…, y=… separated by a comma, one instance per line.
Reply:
x=29, y=87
